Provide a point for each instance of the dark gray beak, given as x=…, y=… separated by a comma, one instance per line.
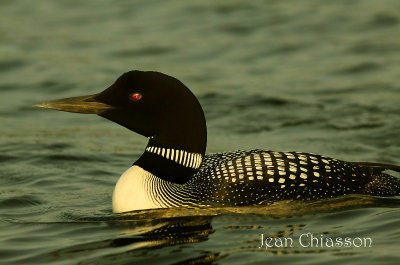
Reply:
x=85, y=104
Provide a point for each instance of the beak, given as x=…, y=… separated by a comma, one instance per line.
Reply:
x=86, y=104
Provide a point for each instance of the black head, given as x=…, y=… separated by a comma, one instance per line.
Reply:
x=152, y=104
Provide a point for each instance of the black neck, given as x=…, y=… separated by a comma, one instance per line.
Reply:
x=183, y=129
x=170, y=164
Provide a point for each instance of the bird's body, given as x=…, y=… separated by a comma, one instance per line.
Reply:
x=174, y=170
x=249, y=178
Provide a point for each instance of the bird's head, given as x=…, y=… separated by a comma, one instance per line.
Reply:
x=149, y=103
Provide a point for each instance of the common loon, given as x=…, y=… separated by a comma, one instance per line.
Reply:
x=174, y=170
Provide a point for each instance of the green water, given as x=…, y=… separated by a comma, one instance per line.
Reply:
x=312, y=76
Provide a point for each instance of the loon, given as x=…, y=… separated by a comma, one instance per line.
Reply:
x=174, y=170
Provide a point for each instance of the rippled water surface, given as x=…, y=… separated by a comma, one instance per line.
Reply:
x=313, y=76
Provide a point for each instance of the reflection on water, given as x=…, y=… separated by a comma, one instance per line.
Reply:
x=140, y=233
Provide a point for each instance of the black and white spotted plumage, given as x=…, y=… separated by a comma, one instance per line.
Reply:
x=257, y=176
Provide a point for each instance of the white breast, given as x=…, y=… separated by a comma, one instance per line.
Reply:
x=135, y=191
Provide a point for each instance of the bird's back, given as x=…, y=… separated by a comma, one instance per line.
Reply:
x=258, y=176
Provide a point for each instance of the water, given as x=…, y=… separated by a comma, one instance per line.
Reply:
x=311, y=76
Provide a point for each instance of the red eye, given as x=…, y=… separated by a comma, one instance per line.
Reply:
x=136, y=96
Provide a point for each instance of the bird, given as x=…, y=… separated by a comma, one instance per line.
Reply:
x=175, y=171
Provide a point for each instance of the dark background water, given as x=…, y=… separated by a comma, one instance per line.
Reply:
x=314, y=76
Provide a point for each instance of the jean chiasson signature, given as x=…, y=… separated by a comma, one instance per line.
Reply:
x=309, y=240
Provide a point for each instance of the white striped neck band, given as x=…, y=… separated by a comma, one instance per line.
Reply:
x=192, y=160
